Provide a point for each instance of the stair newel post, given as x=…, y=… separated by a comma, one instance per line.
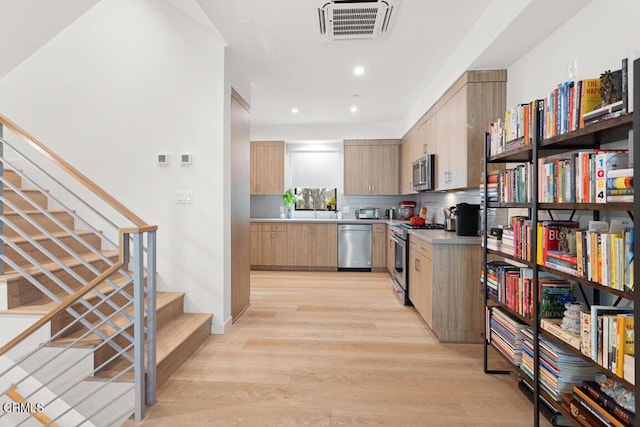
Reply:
x=1, y=202
x=138, y=324
x=151, y=318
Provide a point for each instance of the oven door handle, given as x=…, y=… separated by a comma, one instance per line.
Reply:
x=398, y=241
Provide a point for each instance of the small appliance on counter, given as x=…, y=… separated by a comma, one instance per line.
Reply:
x=368, y=213
x=450, y=218
x=390, y=214
x=468, y=219
x=407, y=210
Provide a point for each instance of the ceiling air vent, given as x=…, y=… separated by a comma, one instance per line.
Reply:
x=354, y=19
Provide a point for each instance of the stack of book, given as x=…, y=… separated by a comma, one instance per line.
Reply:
x=504, y=333
x=492, y=187
x=592, y=403
x=619, y=184
x=560, y=370
x=507, y=241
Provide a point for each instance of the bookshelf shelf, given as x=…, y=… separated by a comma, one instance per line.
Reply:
x=594, y=285
x=537, y=177
x=586, y=206
x=591, y=136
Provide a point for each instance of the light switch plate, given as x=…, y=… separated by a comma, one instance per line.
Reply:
x=185, y=159
x=184, y=197
x=162, y=159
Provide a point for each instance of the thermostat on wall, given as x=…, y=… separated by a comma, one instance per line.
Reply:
x=185, y=159
x=163, y=159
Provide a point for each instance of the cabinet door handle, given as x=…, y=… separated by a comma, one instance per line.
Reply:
x=417, y=264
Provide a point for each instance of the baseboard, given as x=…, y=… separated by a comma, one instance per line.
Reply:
x=217, y=329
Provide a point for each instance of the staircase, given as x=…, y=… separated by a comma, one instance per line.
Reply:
x=82, y=296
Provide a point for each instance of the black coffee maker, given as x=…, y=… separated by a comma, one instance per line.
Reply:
x=468, y=219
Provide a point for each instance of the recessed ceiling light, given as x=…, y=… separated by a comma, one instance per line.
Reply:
x=294, y=110
x=354, y=109
x=358, y=71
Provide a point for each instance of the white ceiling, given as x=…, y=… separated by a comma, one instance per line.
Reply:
x=276, y=43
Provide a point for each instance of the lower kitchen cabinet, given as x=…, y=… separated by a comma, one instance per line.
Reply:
x=444, y=289
x=273, y=244
x=379, y=248
x=302, y=246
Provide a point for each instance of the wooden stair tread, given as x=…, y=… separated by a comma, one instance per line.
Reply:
x=175, y=333
x=54, y=266
x=162, y=299
x=169, y=339
x=44, y=306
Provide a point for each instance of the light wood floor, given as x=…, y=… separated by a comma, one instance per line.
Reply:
x=334, y=349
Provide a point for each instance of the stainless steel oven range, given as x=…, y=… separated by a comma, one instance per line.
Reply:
x=400, y=276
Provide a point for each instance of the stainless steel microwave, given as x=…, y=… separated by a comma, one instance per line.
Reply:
x=423, y=173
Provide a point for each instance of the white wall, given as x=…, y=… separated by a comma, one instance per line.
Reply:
x=127, y=80
x=596, y=39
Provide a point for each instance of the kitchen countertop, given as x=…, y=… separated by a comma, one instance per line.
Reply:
x=326, y=220
x=439, y=237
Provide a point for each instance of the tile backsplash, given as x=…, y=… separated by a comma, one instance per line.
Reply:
x=269, y=206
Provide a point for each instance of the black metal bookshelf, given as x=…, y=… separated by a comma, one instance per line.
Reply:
x=589, y=137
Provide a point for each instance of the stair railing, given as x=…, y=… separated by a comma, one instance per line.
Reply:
x=100, y=298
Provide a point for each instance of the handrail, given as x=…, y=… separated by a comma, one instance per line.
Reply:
x=80, y=292
x=39, y=146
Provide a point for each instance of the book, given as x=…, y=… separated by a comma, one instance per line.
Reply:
x=616, y=173
x=628, y=259
x=554, y=327
x=551, y=290
x=590, y=97
x=630, y=368
x=583, y=397
x=620, y=198
x=621, y=182
x=585, y=333
x=608, y=160
x=580, y=414
x=593, y=389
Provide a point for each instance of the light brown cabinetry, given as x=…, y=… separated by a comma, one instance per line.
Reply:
x=302, y=246
x=267, y=167
x=371, y=167
x=268, y=244
x=379, y=247
x=453, y=128
x=443, y=288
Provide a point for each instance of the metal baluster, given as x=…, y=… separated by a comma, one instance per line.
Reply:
x=138, y=338
x=151, y=318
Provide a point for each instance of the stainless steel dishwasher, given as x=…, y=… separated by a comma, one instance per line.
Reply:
x=354, y=247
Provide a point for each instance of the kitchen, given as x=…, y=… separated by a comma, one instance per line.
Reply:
x=394, y=199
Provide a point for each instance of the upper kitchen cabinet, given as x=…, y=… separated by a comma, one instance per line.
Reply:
x=267, y=167
x=453, y=128
x=371, y=167
x=461, y=120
